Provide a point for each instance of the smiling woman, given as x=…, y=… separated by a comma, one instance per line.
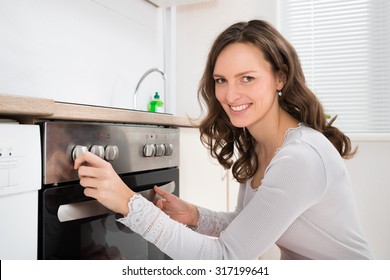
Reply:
x=275, y=94
x=245, y=85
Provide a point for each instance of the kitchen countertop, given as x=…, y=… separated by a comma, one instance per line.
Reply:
x=28, y=110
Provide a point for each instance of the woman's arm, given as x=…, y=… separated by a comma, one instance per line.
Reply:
x=101, y=182
x=288, y=190
x=200, y=219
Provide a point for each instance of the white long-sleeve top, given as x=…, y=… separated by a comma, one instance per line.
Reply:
x=304, y=205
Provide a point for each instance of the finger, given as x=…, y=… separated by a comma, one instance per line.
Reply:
x=85, y=171
x=160, y=203
x=161, y=192
x=89, y=158
x=79, y=161
x=90, y=192
x=89, y=171
x=89, y=182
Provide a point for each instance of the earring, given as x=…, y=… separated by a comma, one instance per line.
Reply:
x=280, y=93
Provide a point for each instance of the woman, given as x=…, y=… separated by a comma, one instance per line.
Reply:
x=264, y=123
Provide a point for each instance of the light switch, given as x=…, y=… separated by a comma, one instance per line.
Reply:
x=3, y=174
x=13, y=173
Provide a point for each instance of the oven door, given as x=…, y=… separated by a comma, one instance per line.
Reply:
x=73, y=226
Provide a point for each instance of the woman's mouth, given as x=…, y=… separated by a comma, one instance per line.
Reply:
x=239, y=108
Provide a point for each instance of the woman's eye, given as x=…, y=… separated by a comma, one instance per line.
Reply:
x=219, y=80
x=247, y=79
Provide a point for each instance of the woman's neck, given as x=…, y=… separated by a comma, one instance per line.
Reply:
x=269, y=134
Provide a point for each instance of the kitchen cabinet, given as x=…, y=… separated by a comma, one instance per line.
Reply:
x=370, y=177
x=202, y=179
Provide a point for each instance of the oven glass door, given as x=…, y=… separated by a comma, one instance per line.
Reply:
x=72, y=226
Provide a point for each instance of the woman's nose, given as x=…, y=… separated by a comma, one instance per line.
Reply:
x=232, y=94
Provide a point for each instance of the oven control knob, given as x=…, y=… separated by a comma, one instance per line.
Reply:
x=111, y=153
x=168, y=149
x=160, y=150
x=78, y=150
x=149, y=150
x=98, y=150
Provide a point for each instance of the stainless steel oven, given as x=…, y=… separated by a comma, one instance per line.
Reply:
x=73, y=226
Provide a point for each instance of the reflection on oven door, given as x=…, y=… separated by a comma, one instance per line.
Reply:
x=107, y=239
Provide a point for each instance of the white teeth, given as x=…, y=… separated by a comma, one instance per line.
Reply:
x=239, y=108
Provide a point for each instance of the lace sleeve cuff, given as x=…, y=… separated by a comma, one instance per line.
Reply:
x=149, y=221
x=210, y=223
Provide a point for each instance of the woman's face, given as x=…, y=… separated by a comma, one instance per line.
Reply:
x=245, y=85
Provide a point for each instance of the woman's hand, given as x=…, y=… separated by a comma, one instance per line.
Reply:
x=176, y=208
x=101, y=182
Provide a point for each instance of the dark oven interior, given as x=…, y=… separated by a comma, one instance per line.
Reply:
x=96, y=235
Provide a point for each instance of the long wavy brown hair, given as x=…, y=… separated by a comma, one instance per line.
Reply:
x=235, y=147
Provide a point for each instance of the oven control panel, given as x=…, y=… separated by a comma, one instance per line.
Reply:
x=109, y=153
x=129, y=148
x=158, y=150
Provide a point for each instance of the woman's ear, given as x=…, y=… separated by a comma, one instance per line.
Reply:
x=282, y=76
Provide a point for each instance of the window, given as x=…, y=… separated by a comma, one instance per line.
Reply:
x=344, y=49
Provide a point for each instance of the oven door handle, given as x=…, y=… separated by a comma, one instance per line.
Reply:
x=93, y=208
x=151, y=194
x=81, y=210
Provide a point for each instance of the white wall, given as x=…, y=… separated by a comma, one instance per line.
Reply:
x=81, y=51
x=197, y=27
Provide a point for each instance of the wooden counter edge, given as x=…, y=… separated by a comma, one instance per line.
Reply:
x=75, y=112
x=25, y=105
x=29, y=110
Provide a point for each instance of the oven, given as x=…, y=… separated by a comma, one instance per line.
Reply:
x=73, y=226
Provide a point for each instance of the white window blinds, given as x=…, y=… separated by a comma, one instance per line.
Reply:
x=344, y=49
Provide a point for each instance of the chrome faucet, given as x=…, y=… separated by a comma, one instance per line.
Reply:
x=140, y=81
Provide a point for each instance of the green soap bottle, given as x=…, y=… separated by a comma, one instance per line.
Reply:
x=156, y=105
